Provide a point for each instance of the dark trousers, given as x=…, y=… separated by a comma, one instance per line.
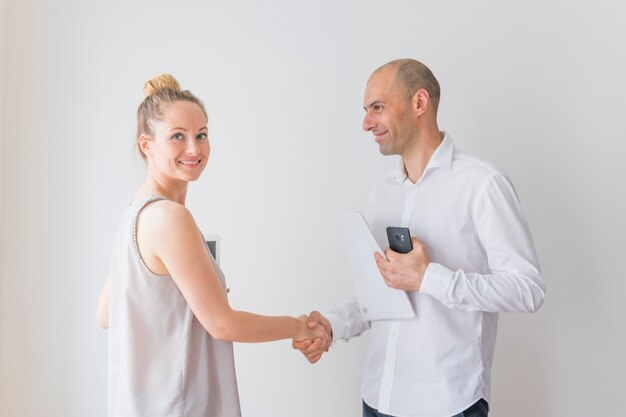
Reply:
x=478, y=409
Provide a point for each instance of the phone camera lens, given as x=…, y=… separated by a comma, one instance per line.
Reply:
x=399, y=237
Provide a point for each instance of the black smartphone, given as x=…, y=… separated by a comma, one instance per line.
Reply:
x=399, y=239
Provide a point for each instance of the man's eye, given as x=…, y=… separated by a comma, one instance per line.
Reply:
x=178, y=136
x=378, y=107
x=202, y=136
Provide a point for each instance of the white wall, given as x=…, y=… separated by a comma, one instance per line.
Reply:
x=3, y=32
x=535, y=86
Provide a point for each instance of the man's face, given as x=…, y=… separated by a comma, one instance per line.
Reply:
x=388, y=113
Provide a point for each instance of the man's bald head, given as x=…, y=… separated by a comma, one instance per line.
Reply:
x=412, y=75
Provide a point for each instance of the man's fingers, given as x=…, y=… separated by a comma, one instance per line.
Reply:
x=314, y=319
x=328, y=328
x=301, y=345
x=391, y=284
x=318, y=319
x=379, y=260
x=315, y=358
x=313, y=347
x=389, y=281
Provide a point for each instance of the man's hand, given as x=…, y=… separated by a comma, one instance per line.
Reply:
x=314, y=349
x=404, y=271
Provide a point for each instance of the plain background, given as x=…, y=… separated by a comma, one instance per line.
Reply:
x=536, y=86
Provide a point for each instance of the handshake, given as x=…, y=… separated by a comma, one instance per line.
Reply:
x=315, y=338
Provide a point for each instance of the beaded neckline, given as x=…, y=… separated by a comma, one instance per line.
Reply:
x=133, y=229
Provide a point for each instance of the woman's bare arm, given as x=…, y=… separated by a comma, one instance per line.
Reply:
x=169, y=240
x=103, y=305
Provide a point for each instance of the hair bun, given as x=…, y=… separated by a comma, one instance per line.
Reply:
x=160, y=82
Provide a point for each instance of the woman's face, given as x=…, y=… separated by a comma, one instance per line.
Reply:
x=180, y=147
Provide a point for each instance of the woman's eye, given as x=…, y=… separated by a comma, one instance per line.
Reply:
x=178, y=136
x=202, y=136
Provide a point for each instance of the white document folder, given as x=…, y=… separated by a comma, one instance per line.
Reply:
x=376, y=300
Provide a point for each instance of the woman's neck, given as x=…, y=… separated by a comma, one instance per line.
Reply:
x=171, y=189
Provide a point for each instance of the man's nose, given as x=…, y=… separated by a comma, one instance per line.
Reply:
x=368, y=124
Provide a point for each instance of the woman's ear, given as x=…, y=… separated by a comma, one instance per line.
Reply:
x=144, y=145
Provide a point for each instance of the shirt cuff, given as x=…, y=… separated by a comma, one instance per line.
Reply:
x=336, y=325
x=437, y=280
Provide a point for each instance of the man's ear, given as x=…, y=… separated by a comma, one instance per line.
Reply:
x=420, y=101
x=144, y=145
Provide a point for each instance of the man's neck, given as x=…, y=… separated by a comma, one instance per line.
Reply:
x=417, y=157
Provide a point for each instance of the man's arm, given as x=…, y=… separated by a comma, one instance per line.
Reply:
x=513, y=283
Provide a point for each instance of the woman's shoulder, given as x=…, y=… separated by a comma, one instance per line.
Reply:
x=166, y=214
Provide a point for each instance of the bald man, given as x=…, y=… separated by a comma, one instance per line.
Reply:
x=473, y=257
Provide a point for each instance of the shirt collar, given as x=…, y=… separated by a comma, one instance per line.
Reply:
x=441, y=158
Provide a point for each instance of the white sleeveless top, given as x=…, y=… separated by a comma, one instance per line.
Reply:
x=162, y=362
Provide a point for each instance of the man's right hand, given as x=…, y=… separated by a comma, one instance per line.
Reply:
x=314, y=349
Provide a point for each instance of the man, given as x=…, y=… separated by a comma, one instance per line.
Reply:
x=472, y=258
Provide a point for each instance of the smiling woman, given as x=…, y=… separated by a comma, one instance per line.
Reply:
x=179, y=145
x=171, y=327
x=161, y=91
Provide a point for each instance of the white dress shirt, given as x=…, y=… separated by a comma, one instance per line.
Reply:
x=483, y=262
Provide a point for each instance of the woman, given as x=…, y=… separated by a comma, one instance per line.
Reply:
x=171, y=328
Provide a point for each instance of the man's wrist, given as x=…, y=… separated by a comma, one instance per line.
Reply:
x=436, y=281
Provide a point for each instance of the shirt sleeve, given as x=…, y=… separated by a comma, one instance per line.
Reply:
x=513, y=282
x=346, y=320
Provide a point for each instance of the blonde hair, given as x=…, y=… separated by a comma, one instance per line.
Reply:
x=160, y=91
